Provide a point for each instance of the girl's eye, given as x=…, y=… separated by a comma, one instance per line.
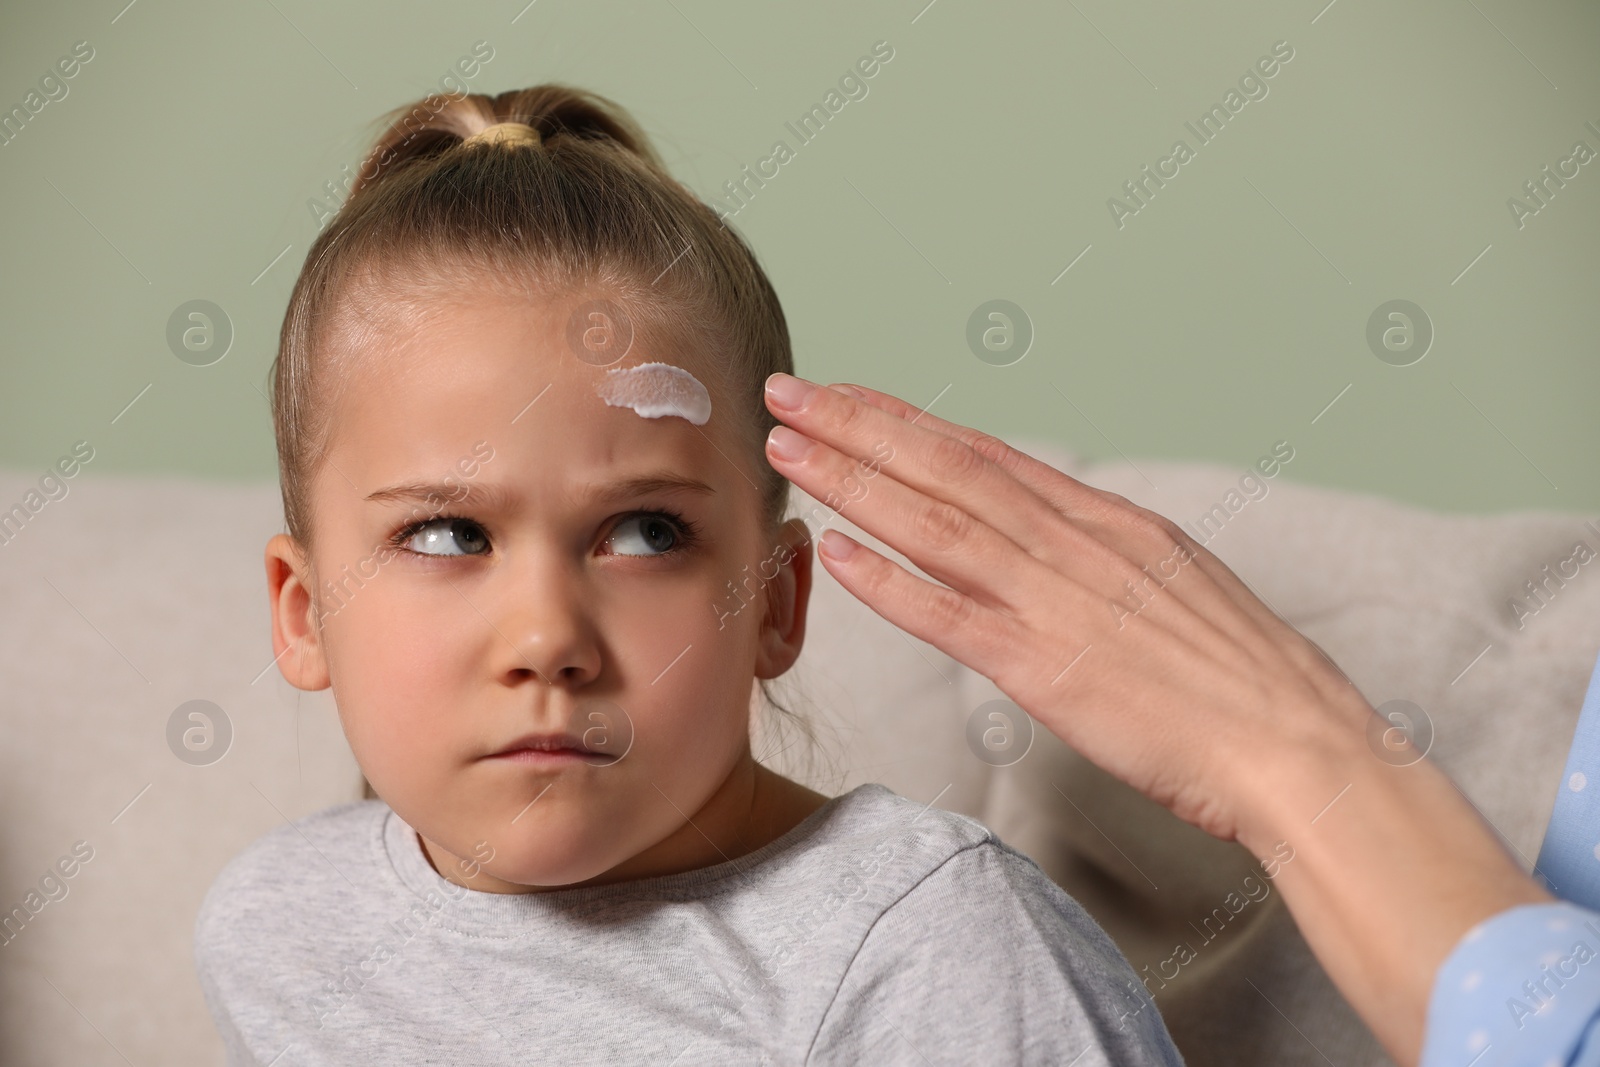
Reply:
x=443, y=537
x=656, y=533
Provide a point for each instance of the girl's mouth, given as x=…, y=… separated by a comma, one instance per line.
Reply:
x=551, y=750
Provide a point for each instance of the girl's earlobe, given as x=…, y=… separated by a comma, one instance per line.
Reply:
x=783, y=624
x=296, y=636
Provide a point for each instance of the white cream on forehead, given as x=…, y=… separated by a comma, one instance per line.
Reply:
x=656, y=389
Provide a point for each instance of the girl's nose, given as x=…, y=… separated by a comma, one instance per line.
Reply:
x=545, y=633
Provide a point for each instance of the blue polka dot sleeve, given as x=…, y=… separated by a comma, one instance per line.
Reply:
x=1521, y=989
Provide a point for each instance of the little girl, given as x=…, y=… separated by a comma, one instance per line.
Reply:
x=519, y=412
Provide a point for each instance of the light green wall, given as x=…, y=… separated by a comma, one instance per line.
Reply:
x=1222, y=317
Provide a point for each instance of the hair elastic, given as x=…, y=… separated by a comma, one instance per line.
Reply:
x=507, y=133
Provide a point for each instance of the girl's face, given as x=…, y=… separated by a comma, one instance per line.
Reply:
x=498, y=553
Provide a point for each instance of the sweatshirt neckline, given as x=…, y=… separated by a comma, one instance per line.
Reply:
x=402, y=849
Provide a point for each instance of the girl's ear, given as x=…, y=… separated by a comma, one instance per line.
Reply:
x=783, y=624
x=296, y=639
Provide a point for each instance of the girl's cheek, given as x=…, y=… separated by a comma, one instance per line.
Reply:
x=400, y=648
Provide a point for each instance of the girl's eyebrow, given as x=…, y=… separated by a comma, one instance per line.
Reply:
x=499, y=496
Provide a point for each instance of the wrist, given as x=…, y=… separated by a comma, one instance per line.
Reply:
x=1295, y=783
x=1391, y=866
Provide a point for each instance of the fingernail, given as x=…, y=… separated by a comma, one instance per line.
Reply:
x=836, y=545
x=787, y=391
x=849, y=390
x=788, y=445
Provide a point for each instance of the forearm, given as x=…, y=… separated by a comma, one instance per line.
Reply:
x=1386, y=879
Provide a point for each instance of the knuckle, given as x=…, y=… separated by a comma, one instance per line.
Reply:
x=954, y=460
x=1142, y=522
x=1119, y=504
x=947, y=610
x=941, y=526
x=990, y=448
x=847, y=418
x=1108, y=507
x=1159, y=525
x=1176, y=542
x=1115, y=499
x=1130, y=576
x=1178, y=537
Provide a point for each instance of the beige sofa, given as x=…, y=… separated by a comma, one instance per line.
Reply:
x=128, y=598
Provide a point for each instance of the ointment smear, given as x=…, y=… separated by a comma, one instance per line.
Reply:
x=656, y=389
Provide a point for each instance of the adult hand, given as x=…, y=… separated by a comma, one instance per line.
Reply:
x=1144, y=652
x=1103, y=620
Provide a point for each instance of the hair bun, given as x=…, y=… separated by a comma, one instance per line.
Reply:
x=549, y=113
x=512, y=133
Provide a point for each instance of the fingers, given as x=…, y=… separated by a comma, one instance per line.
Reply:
x=1037, y=661
x=946, y=541
x=925, y=460
x=1061, y=491
x=1145, y=536
x=954, y=547
x=1100, y=539
x=946, y=619
x=950, y=510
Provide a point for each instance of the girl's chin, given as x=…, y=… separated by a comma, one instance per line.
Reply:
x=554, y=844
x=545, y=857
x=543, y=876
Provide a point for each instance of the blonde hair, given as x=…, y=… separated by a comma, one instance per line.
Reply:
x=586, y=206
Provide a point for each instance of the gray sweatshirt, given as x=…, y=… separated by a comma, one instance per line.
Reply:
x=877, y=931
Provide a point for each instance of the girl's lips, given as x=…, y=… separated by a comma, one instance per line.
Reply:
x=551, y=742
x=557, y=748
x=540, y=756
x=558, y=757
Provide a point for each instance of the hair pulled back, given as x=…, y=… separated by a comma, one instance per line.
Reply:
x=590, y=208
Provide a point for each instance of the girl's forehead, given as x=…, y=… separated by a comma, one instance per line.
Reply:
x=501, y=378
x=515, y=380
x=494, y=339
